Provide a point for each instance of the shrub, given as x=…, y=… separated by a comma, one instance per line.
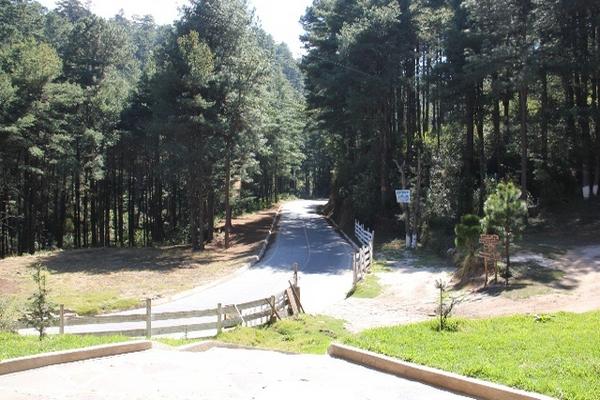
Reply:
x=445, y=307
x=466, y=241
x=8, y=315
x=40, y=313
x=505, y=214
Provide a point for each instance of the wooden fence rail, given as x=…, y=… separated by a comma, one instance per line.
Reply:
x=363, y=258
x=252, y=313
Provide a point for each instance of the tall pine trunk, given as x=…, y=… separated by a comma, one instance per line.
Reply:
x=523, y=116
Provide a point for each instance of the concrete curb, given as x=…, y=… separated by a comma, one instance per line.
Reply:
x=431, y=376
x=243, y=268
x=67, y=356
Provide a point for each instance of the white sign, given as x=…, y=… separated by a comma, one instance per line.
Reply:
x=403, y=196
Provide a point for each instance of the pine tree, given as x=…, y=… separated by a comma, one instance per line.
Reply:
x=505, y=214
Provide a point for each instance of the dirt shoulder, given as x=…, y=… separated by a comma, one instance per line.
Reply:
x=569, y=282
x=408, y=295
x=576, y=289
x=90, y=281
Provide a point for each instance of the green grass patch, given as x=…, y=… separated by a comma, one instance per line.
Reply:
x=368, y=288
x=381, y=266
x=13, y=345
x=305, y=334
x=393, y=249
x=177, y=342
x=558, y=355
x=95, y=302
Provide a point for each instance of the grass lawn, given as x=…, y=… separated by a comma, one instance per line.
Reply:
x=368, y=288
x=309, y=334
x=13, y=345
x=95, y=281
x=305, y=334
x=557, y=356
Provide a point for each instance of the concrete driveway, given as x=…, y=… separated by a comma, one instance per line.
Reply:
x=303, y=237
x=215, y=374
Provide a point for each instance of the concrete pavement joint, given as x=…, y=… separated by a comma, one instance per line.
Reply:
x=212, y=344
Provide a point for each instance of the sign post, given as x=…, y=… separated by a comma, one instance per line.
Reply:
x=403, y=196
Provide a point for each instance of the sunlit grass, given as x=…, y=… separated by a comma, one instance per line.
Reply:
x=13, y=345
x=305, y=334
x=557, y=355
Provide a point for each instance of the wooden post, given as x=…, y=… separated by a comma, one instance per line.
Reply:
x=219, y=321
x=295, y=274
x=148, y=318
x=354, y=273
x=61, y=329
x=274, y=315
x=485, y=263
x=372, y=255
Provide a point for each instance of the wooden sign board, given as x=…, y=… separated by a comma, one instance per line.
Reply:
x=489, y=239
x=490, y=254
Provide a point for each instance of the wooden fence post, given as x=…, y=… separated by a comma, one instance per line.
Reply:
x=61, y=329
x=148, y=318
x=274, y=315
x=371, y=245
x=295, y=274
x=354, y=273
x=219, y=321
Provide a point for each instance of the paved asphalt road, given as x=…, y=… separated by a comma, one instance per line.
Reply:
x=215, y=374
x=303, y=237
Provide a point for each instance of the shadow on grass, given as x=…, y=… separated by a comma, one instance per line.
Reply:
x=246, y=237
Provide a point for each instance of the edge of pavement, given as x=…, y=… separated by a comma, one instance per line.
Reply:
x=207, y=345
x=341, y=232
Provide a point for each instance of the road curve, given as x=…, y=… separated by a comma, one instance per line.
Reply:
x=304, y=237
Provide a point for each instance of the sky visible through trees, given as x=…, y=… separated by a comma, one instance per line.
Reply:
x=122, y=132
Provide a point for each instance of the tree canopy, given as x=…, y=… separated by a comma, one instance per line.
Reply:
x=120, y=132
x=448, y=98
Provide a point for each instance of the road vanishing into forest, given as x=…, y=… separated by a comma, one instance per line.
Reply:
x=302, y=236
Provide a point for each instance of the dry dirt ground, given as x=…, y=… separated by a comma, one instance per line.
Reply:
x=99, y=280
x=569, y=282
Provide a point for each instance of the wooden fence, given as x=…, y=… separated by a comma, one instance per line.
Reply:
x=363, y=258
x=252, y=313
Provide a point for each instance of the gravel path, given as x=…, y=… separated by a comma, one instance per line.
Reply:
x=216, y=374
x=409, y=295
